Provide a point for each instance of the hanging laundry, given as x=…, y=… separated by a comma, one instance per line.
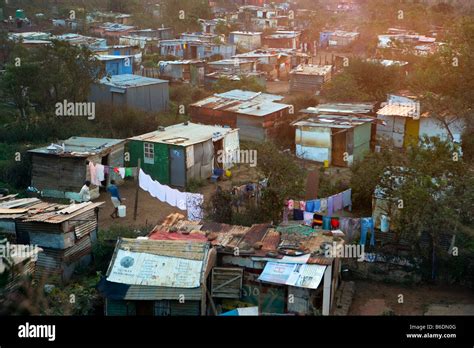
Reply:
x=344, y=225
x=181, y=200
x=106, y=170
x=121, y=171
x=338, y=202
x=384, y=223
x=128, y=172
x=157, y=190
x=335, y=223
x=93, y=174
x=331, y=205
x=144, y=181
x=296, y=205
x=303, y=205
x=291, y=204
x=298, y=215
x=326, y=222
x=324, y=204
x=354, y=228
x=317, y=220
x=347, y=198
x=308, y=218
x=317, y=205
x=194, y=206
x=99, y=172
x=367, y=224
x=309, y=206
x=171, y=196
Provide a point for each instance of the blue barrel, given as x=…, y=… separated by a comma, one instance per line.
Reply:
x=326, y=222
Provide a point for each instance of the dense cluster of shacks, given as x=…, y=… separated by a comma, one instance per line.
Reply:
x=195, y=267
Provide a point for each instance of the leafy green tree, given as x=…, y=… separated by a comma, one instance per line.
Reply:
x=365, y=80
x=50, y=74
x=445, y=80
x=435, y=186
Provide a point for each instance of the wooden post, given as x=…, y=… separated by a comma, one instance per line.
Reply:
x=135, y=210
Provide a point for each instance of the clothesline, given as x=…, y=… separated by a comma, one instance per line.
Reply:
x=98, y=172
x=192, y=202
x=327, y=206
x=330, y=204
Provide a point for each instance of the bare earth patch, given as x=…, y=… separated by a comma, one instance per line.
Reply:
x=372, y=298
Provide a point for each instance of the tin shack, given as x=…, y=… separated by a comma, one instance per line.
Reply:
x=177, y=154
x=338, y=139
x=60, y=170
x=132, y=91
x=65, y=233
x=249, y=260
x=157, y=277
x=309, y=78
x=259, y=116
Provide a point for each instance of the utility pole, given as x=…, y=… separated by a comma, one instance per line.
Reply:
x=135, y=210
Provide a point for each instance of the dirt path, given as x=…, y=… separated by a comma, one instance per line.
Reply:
x=372, y=298
x=151, y=211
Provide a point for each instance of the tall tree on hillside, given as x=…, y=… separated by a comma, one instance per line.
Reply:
x=446, y=80
x=50, y=74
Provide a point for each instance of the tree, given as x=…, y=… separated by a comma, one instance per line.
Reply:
x=364, y=80
x=183, y=15
x=285, y=176
x=445, y=80
x=344, y=88
x=50, y=74
x=435, y=187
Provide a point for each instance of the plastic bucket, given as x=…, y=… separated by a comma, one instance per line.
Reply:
x=122, y=211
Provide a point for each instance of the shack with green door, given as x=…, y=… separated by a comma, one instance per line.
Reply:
x=177, y=154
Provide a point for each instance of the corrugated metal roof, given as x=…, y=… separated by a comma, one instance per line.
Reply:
x=333, y=121
x=255, y=241
x=80, y=146
x=281, y=34
x=185, y=135
x=251, y=33
x=65, y=214
x=179, y=249
x=130, y=81
x=312, y=70
x=173, y=264
x=34, y=210
x=244, y=102
x=238, y=94
x=110, y=57
x=340, y=108
x=402, y=110
x=24, y=207
x=233, y=61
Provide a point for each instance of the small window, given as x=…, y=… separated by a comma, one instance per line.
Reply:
x=149, y=153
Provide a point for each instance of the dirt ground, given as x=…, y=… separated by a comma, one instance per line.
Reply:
x=373, y=298
x=151, y=211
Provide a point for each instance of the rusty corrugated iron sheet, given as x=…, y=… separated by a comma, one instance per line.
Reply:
x=56, y=217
